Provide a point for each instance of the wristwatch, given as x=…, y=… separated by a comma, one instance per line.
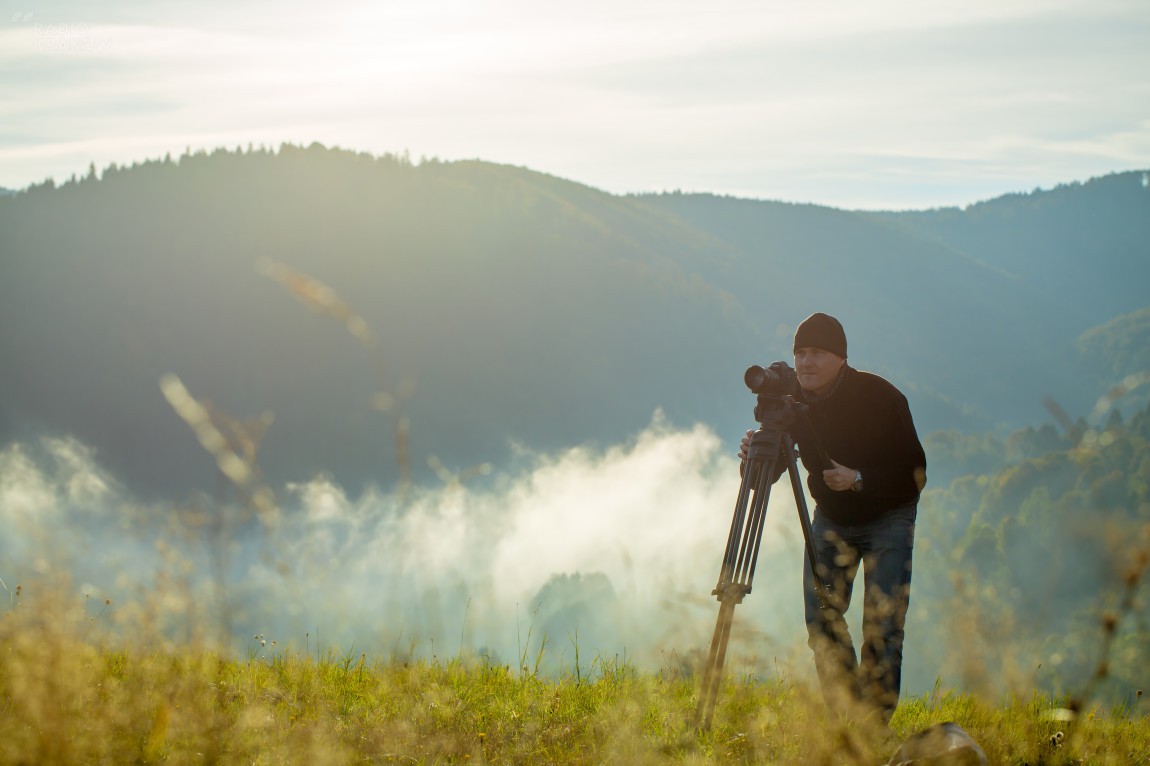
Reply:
x=857, y=486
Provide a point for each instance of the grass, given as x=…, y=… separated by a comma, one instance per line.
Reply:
x=76, y=689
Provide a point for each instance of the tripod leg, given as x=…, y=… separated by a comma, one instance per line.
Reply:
x=805, y=523
x=739, y=560
x=749, y=557
x=715, y=660
x=726, y=572
x=743, y=553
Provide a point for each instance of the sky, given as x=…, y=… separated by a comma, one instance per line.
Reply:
x=866, y=104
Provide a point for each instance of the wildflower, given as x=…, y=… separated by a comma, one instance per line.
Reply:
x=1056, y=739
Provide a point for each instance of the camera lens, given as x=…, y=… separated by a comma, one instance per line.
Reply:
x=757, y=378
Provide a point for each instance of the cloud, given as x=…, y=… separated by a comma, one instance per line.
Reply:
x=36, y=487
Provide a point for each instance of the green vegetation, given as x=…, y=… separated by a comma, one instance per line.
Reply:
x=71, y=692
x=1049, y=534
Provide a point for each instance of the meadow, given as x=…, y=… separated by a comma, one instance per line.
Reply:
x=77, y=686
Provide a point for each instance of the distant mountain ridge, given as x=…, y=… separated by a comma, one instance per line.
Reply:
x=528, y=308
x=1077, y=235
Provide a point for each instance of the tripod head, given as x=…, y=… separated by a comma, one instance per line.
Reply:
x=776, y=413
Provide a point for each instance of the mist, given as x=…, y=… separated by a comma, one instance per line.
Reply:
x=592, y=553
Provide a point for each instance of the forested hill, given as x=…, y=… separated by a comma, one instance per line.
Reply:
x=1075, y=244
x=1048, y=533
x=525, y=308
x=1025, y=272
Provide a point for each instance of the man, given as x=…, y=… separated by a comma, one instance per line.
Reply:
x=866, y=501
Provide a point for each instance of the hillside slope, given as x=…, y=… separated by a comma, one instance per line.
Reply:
x=526, y=308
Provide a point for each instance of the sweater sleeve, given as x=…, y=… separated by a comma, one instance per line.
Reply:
x=897, y=468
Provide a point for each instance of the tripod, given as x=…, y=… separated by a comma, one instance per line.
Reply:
x=771, y=447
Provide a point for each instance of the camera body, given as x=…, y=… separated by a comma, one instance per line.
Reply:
x=776, y=388
x=777, y=380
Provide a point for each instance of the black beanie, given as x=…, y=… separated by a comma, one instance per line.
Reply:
x=821, y=331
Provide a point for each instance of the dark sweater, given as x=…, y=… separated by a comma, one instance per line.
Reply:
x=865, y=423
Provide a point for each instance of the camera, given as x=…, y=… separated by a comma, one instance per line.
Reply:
x=777, y=380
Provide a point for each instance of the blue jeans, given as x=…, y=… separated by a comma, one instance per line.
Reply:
x=884, y=546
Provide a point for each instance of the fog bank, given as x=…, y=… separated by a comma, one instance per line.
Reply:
x=608, y=551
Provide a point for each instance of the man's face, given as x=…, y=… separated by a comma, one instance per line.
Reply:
x=817, y=369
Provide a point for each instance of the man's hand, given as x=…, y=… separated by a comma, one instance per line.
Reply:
x=745, y=445
x=839, y=478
